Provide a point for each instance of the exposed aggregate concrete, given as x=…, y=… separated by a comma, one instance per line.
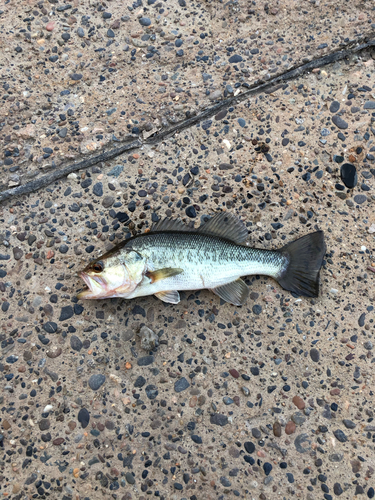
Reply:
x=131, y=399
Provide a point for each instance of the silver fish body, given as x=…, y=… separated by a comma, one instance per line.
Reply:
x=207, y=261
x=173, y=257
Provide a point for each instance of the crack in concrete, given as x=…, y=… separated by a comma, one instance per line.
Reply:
x=349, y=49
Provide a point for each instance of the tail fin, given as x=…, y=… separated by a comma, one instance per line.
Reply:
x=305, y=257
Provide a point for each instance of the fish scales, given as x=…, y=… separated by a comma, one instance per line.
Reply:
x=207, y=259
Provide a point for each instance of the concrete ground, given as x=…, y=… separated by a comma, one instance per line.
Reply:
x=200, y=400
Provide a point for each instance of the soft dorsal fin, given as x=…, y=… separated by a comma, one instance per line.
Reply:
x=225, y=225
x=170, y=225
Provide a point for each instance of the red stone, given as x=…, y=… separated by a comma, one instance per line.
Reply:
x=290, y=428
x=299, y=402
x=234, y=373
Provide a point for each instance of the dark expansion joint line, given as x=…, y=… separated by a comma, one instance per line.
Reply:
x=259, y=86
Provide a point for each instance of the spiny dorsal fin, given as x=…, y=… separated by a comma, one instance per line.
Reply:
x=171, y=296
x=162, y=274
x=225, y=225
x=170, y=225
x=235, y=293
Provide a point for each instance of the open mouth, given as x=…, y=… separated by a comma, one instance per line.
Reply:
x=87, y=290
x=94, y=287
x=86, y=279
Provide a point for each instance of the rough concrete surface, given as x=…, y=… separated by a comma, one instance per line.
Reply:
x=200, y=400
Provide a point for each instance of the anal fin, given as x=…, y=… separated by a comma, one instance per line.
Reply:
x=235, y=293
x=161, y=274
x=170, y=296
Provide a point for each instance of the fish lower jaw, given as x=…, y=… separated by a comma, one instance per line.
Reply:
x=85, y=294
x=91, y=290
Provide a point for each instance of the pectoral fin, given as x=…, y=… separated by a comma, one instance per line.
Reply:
x=235, y=293
x=171, y=296
x=162, y=274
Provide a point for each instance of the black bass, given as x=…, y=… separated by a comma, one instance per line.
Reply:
x=173, y=257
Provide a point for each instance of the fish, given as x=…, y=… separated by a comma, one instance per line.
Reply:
x=173, y=257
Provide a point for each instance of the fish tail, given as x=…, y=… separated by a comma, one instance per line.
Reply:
x=304, y=257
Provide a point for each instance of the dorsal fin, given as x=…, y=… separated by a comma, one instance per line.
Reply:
x=225, y=225
x=170, y=225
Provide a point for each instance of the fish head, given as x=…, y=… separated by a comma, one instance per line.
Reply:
x=113, y=275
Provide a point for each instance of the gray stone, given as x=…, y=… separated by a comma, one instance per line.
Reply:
x=130, y=478
x=334, y=107
x=108, y=201
x=235, y=59
x=75, y=343
x=181, y=384
x=298, y=418
x=76, y=76
x=335, y=457
x=340, y=436
x=149, y=339
x=140, y=382
x=145, y=360
x=339, y=122
x=96, y=381
x=337, y=489
x=302, y=443
x=98, y=189
x=63, y=248
x=216, y=94
x=348, y=423
x=361, y=319
x=256, y=433
x=151, y=391
x=145, y=21
x=360, y=198
x=116, y=170
x=127, y=335
x=53, y=375
x=219, y=419
x=257, y=309
x=314, y=355
x=83, y=417
x=369, y=105
x=17, y=253
x=225, y=481
x=66, y=313
x=44, y=424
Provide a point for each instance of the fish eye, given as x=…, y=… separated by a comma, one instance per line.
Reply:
x=98, y=267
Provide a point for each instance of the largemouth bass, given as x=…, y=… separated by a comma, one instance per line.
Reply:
x=173, y=257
